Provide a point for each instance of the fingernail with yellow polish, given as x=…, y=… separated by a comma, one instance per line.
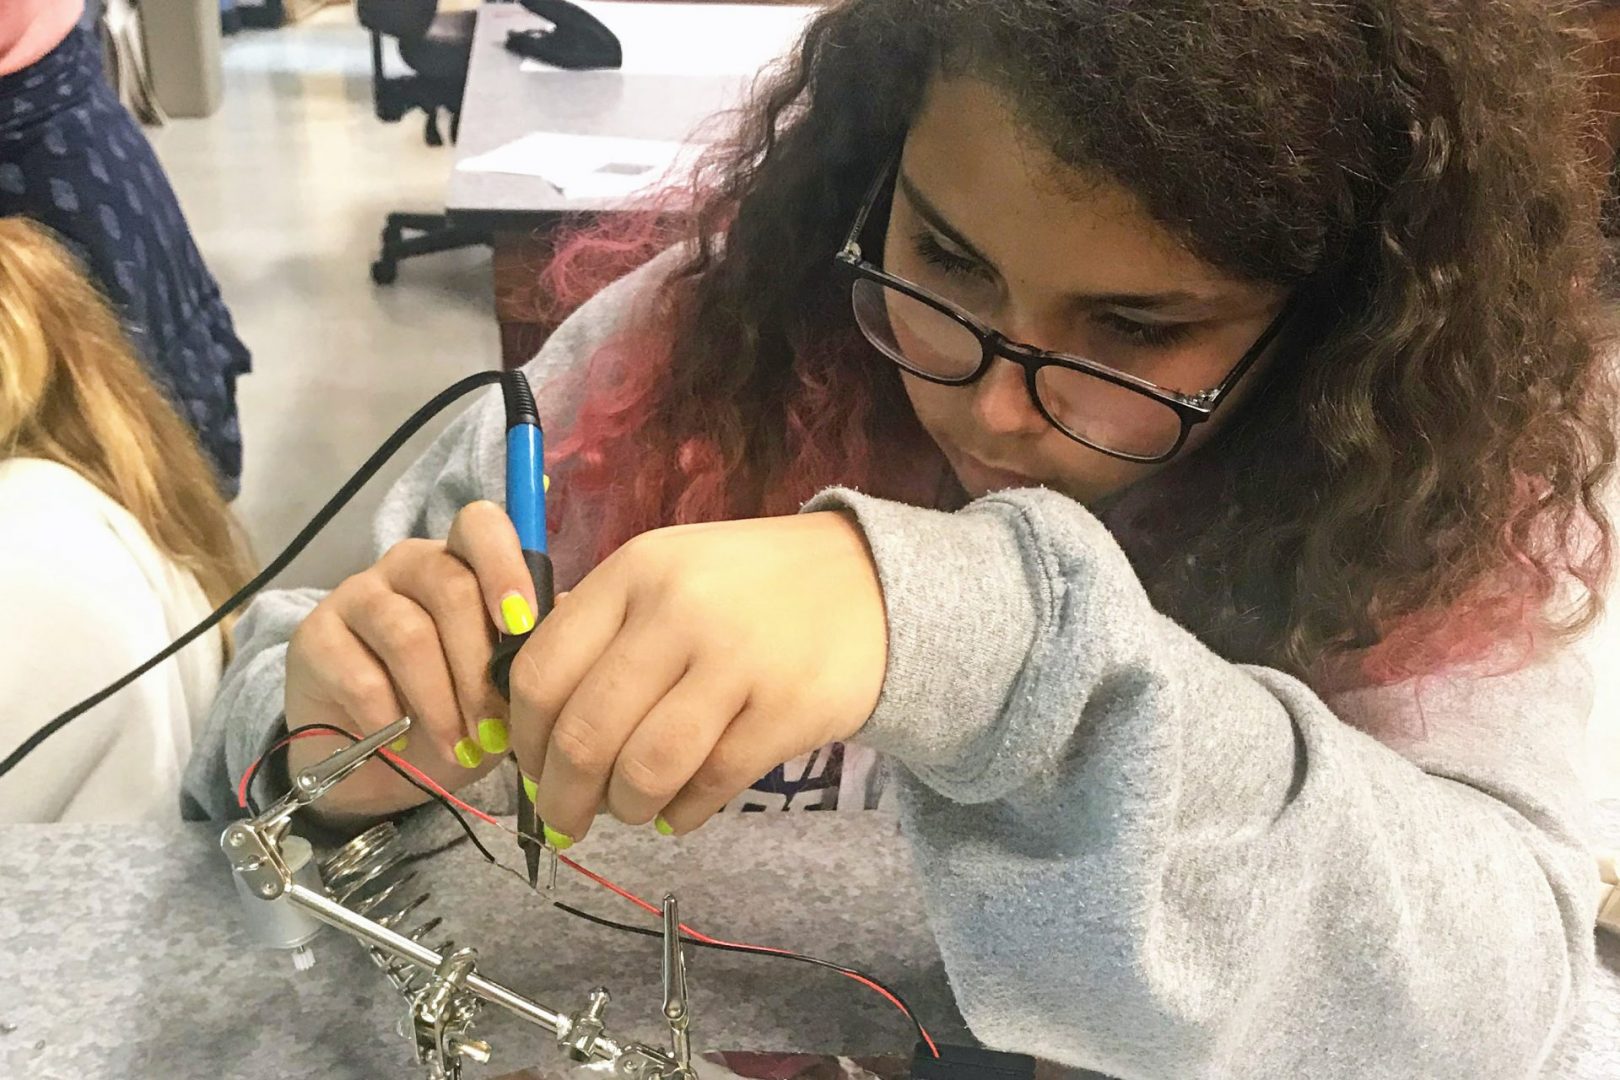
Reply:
x=664, y=828
x=468, y=754
x=517, y=613
x=398, y=745
x=492, y=736
x=530, y=788
x=559, y=841
x=545, y=482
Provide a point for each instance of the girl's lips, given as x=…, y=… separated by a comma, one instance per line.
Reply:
x=976, y=475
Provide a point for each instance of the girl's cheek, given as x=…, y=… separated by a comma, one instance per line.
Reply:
x=941, y=409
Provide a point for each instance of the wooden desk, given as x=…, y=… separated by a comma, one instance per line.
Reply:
x=683, y=64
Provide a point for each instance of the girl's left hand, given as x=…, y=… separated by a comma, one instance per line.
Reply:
x=693, y=661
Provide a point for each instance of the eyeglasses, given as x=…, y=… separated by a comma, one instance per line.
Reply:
x=1111, y=411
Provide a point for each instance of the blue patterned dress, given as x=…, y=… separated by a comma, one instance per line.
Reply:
x=73, y=159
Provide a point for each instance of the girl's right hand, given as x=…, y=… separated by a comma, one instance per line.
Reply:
x=412, y=635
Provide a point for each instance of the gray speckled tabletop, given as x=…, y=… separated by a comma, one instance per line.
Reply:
x=122, y=954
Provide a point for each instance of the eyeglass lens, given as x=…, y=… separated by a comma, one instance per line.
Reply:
x=927, y=342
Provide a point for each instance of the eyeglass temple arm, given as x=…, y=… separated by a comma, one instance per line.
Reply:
x=852, y=241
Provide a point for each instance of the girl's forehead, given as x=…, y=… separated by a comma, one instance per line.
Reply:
x=971, y=162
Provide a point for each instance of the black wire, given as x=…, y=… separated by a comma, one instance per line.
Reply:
x=460, y=819
x=433, y=853
x=331, y=729
x=752, y=950
x=294, y=548
x=336, y=503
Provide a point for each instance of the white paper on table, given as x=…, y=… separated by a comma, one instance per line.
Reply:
x=589, y=166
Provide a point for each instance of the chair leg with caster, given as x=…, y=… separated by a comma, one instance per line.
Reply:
x=434, y=233
x=386, y=268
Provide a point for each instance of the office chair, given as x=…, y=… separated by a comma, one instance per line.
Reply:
x=437, y=49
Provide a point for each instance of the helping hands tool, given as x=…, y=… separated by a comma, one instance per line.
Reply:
x=289, y=896
x=445, y=989
x=526, y=505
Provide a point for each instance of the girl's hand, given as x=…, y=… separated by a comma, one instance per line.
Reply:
x=692, y=662
x=412, y=635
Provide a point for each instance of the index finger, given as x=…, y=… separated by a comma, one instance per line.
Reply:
x=484, y=538
x=556, y=659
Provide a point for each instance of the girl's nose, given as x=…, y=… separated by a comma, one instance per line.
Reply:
x=1001, y=402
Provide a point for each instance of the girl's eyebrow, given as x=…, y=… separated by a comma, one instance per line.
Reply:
x=936, y=220
x=1172, y=298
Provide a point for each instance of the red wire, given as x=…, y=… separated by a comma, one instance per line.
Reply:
x=247, y=777
x=699, y=936
x=438, y=789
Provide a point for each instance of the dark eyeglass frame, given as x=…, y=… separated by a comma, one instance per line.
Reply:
x=1191, y=409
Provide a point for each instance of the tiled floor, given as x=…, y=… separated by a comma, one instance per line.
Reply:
x=286, y=188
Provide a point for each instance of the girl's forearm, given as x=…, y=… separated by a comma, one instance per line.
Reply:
x=1142, y=857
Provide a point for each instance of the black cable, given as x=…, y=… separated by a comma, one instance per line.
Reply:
x=336, y=503
x=286, y=741
x=433, y=853
x=751, y=950
x=380, y=457
x=460, y=819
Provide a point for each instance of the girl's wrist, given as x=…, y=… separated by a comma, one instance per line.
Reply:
x=960, y=622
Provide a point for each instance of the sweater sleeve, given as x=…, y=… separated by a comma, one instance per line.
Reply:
x=1145, y=860
x=78, y=613
x=464, y=464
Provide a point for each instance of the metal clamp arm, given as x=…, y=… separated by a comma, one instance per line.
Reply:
x=323, y=776
x=677, y=1011
x=443, y=1011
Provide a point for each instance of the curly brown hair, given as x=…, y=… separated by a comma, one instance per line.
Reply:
x=1428, y=455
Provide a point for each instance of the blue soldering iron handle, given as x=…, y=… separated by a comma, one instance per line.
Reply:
x=526, y=506
x=526, y=484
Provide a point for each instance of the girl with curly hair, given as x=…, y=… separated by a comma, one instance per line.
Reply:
x=1200, y=412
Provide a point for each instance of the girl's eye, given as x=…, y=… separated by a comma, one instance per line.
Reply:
x=1145, y=334
x=930, y=251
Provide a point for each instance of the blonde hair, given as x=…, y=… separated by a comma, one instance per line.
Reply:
x=73, y=392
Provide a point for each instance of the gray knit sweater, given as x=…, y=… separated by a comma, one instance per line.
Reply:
x=1143, y=859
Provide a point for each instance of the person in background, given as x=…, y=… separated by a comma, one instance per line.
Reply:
x=1197, y=412
x=114, y=540
x=72, y=158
